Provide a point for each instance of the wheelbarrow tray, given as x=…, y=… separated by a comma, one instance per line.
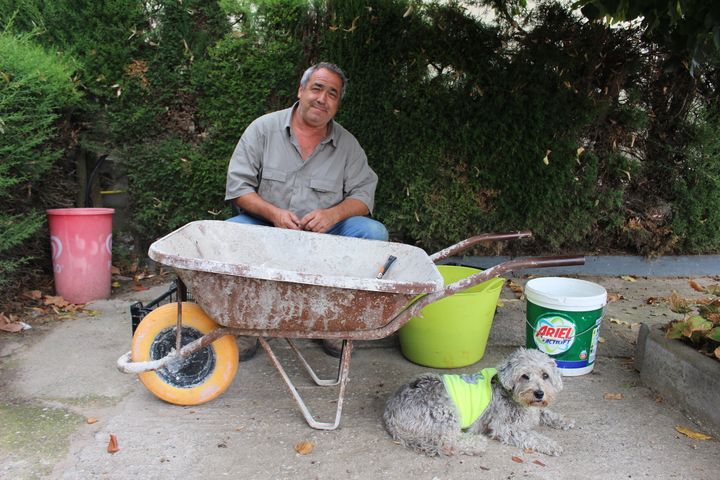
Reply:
x=291, y=283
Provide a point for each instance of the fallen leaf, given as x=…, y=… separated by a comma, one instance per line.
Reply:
x=614, y=297
x=91, y=420
x=114, y=270
x=696, y=286
x=601, y=339
x=138, y=287
x=713, y=289
x=115, y=284
x=692, y=433
x=678, y=304
x=538, y=462
x=613, y=396
x=113, y=444
x=56, y=300
x=629, y=278
x=652, y=301
x=500, y=303
x=517, y=459
x=32, y=294
x=10, y=324
x=305, y=447
x=717, y=353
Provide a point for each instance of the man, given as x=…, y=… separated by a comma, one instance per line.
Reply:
x=299, y=169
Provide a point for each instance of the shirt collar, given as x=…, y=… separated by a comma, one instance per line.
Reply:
x=332, y=135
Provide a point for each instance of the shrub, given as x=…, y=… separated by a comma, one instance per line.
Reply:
x=36, y=93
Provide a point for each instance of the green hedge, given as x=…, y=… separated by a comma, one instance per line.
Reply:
x=36, y=94
x=563, y=127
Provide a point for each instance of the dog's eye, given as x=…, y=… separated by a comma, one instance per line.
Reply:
x=525, y=376
x=545, y=376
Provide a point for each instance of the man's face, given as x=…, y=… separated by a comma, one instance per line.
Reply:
x=320, y=99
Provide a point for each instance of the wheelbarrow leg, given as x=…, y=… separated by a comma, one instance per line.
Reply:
x=342, y=379
x=319, y=381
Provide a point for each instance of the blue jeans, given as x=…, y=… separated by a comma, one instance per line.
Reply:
x=358, y=227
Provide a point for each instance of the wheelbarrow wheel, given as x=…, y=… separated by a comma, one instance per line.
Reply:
x=204, y=375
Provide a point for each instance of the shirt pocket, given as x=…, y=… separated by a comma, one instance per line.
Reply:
x=325, y=193
x=273, y=187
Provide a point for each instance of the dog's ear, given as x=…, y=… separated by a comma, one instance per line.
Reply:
x=506, y=373
x=555, y=375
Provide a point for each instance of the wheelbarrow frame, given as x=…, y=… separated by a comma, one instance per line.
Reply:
x=177, y=356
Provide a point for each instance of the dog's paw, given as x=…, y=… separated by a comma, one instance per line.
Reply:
x=550, y=448
x=567, y=424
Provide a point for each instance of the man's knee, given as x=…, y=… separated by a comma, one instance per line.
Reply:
x=362, y=227
x=376, y=231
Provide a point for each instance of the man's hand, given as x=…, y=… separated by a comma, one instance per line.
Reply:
x=286, y=219
x=319, y=221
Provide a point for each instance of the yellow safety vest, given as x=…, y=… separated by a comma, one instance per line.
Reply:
x=471, y=393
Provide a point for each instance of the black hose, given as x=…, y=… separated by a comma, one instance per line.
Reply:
x=91, y=179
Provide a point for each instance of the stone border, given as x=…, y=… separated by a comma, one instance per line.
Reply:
x=685, y=378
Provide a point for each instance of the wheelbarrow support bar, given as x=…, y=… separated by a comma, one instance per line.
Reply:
x=342, y=378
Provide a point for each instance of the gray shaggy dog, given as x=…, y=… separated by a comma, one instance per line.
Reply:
x=422, y=415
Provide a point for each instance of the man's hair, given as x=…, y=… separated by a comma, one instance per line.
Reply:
x=328, y=66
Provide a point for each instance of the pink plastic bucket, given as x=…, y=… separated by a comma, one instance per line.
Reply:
x=81, y=244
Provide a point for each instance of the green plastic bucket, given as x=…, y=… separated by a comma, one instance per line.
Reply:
x=453, y=332
x=563, y=320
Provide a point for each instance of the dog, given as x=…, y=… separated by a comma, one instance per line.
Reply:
x=423, y=416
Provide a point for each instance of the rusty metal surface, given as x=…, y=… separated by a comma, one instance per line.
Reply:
x=469, y=242
x=284, y=307
x=284, y=283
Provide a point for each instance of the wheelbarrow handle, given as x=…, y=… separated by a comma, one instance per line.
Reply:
x=469, y=242
x=499, y=269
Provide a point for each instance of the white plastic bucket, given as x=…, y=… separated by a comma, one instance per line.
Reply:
x=563, y=320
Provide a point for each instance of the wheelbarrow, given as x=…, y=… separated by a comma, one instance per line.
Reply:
x=276, y=283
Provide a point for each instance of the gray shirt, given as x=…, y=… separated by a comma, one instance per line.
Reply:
x=267, y=161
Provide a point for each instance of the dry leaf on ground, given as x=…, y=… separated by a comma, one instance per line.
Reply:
x=678, y=304
x=613, y=396
x=614, y=297
x=696, y=286
x=56, y=300
x=538, y=462
x=692, y=433
x=113, y=444
x=516, y=288
x=32, y=294
x=305, y=447
x=12, y=323
x=517, y=459
x=91, y=420
x=629, y=278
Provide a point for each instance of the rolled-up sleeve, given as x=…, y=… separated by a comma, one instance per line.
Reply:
x=245, y=167
x=359, y=180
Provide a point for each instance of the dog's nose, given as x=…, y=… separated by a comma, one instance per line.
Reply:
x=539, y=394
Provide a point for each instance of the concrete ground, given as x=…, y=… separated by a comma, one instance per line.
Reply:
x=61, y=398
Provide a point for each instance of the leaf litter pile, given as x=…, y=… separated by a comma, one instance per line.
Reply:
x=700, y=325
x=39, y=307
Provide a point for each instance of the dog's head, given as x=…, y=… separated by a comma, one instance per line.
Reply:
x=531, y=376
